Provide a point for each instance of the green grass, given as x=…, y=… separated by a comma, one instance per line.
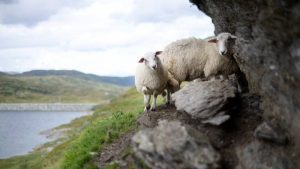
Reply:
x=116, y=119
x=88, y=134
x=33, y=160
x=52, y=89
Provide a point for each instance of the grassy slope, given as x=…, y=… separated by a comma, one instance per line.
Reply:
x=115, y=118
x=51, y=89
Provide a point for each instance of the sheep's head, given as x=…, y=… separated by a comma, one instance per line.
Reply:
x=223, y=41
x=151, y=59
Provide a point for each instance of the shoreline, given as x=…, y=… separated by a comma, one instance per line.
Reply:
x=46, y=107
x=54, y=136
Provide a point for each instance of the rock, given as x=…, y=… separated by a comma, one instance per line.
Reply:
x=269, y=132
x=267, y=51
x=262, y=156
x=171, y=145
x=207, y=100
x=218, y=120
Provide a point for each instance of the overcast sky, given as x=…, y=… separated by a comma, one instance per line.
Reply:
x=104, y=37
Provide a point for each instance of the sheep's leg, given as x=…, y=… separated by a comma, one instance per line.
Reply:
x=153, y=106
x=147, y=102
x=168, y=97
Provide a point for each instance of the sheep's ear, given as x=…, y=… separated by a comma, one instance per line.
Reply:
x=141, y=60
x=158, y=53
x=233, y=37
x=213, y=40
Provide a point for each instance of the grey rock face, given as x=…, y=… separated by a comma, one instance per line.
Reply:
x=206, y=100
x=267, y=51
x=262, y=156
x=171, y=145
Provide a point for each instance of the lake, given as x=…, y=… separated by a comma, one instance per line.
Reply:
x=20, y=131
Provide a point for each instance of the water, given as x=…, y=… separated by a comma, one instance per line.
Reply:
x=20, y=131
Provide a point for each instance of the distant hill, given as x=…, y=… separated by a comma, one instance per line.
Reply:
x=53, y=89
x=121, y=81
x=2, y=73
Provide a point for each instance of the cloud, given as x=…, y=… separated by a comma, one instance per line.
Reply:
x=154, y=11
x=30, y=12
x=103, y=37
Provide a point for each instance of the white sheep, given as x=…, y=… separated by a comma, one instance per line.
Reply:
x=192, y=58
x=151, y=78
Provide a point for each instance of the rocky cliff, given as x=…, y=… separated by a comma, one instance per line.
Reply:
x=267, y=51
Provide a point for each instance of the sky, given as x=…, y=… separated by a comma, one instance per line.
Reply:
x=104, y=37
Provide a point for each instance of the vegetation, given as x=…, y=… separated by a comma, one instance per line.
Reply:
x=52, y=89
x=120, y=81
x=87, y=135
x=116, y=119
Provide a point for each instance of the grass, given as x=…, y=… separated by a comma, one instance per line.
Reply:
x=116, y=118
x=53, y=89
x=33, y=160
x=95, y=137
x=88, y=134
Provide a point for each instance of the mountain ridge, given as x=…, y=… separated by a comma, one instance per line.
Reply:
x=66, y=86
x=121, y=81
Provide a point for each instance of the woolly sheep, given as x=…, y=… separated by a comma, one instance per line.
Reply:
x=192, y=58
x=151, y=78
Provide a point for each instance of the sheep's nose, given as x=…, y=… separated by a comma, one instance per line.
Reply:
x=223, y=52
x=154, y=67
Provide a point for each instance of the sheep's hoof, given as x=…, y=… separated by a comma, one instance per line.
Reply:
x=147, y=108
x=153, y=109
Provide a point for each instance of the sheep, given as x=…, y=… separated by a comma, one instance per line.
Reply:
x=223, y=41
x=151, y=78
x=192, y=58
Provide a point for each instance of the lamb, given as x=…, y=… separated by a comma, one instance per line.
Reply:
x=192, y=58
x=151, y=78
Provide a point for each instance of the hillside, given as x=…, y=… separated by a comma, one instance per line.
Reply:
x=53, y=89
x=121, y=81
x=83, y=136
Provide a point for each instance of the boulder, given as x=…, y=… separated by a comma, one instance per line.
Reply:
x=171, y=145
x=207, y=100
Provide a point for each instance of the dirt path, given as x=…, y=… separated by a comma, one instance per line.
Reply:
x=114, y=152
